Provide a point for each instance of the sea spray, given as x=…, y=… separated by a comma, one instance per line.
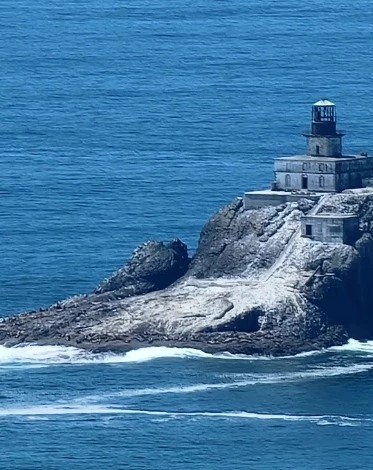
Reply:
x=55, y=355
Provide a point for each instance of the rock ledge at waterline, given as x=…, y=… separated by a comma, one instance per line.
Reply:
x=254, y=286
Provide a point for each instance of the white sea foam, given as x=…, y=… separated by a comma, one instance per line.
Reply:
x=50, y=355
x=59, y=410
x=33, y=354
x=148, y=354
x=355, y=346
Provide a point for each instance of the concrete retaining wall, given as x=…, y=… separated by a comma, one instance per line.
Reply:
x=258, y=199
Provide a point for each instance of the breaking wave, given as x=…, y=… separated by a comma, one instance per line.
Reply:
x=44, y=355
x=53, y=410
x=355, y=346
x=50, y=355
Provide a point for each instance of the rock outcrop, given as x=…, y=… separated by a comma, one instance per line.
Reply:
x=253, y=286
x=153, y=266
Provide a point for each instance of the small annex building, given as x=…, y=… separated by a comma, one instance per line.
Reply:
x=331, y=228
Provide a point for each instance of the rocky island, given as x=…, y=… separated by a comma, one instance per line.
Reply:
x=276, y=272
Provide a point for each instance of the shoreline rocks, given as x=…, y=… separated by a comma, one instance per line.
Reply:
x=254, y=286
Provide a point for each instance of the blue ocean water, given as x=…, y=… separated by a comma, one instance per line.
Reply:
x=127, y=121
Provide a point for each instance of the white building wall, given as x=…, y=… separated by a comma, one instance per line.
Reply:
x=336, y=175
x=315, y=181
x=305, y=164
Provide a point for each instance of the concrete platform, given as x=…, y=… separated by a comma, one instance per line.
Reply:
x=267, y=197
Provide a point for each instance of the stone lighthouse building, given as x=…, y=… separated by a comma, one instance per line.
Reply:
x=324, y=167
x=323, y=139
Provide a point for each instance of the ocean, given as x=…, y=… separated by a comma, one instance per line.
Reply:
x=128, y=121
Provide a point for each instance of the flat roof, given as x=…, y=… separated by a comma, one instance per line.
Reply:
x=323, y=159
x=331, y=215
x=263, y=192
x=323, y=103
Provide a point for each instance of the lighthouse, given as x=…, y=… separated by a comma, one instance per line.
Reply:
x=324, y=168
x=323, y=139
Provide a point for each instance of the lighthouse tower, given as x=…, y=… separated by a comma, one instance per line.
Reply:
x=324, y=168
x=323, y=139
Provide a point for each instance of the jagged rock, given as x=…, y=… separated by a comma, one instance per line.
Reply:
x=254, y=286
x=153, y=266
x=234, y=239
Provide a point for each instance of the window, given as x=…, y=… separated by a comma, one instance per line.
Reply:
x=322, y=182
x=305, y=166
x=335, y=229
x=287, y=181
x=321, y=167
x=317, y=149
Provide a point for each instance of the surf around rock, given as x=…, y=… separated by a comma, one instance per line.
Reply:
x=255, y=285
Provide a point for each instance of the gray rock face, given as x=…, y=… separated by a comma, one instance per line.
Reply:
x=254, y=286
x=235, y=240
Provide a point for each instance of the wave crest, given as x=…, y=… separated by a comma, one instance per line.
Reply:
x=59, y=410
x=50, y=355
x=354, y=345
x=35, y=354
